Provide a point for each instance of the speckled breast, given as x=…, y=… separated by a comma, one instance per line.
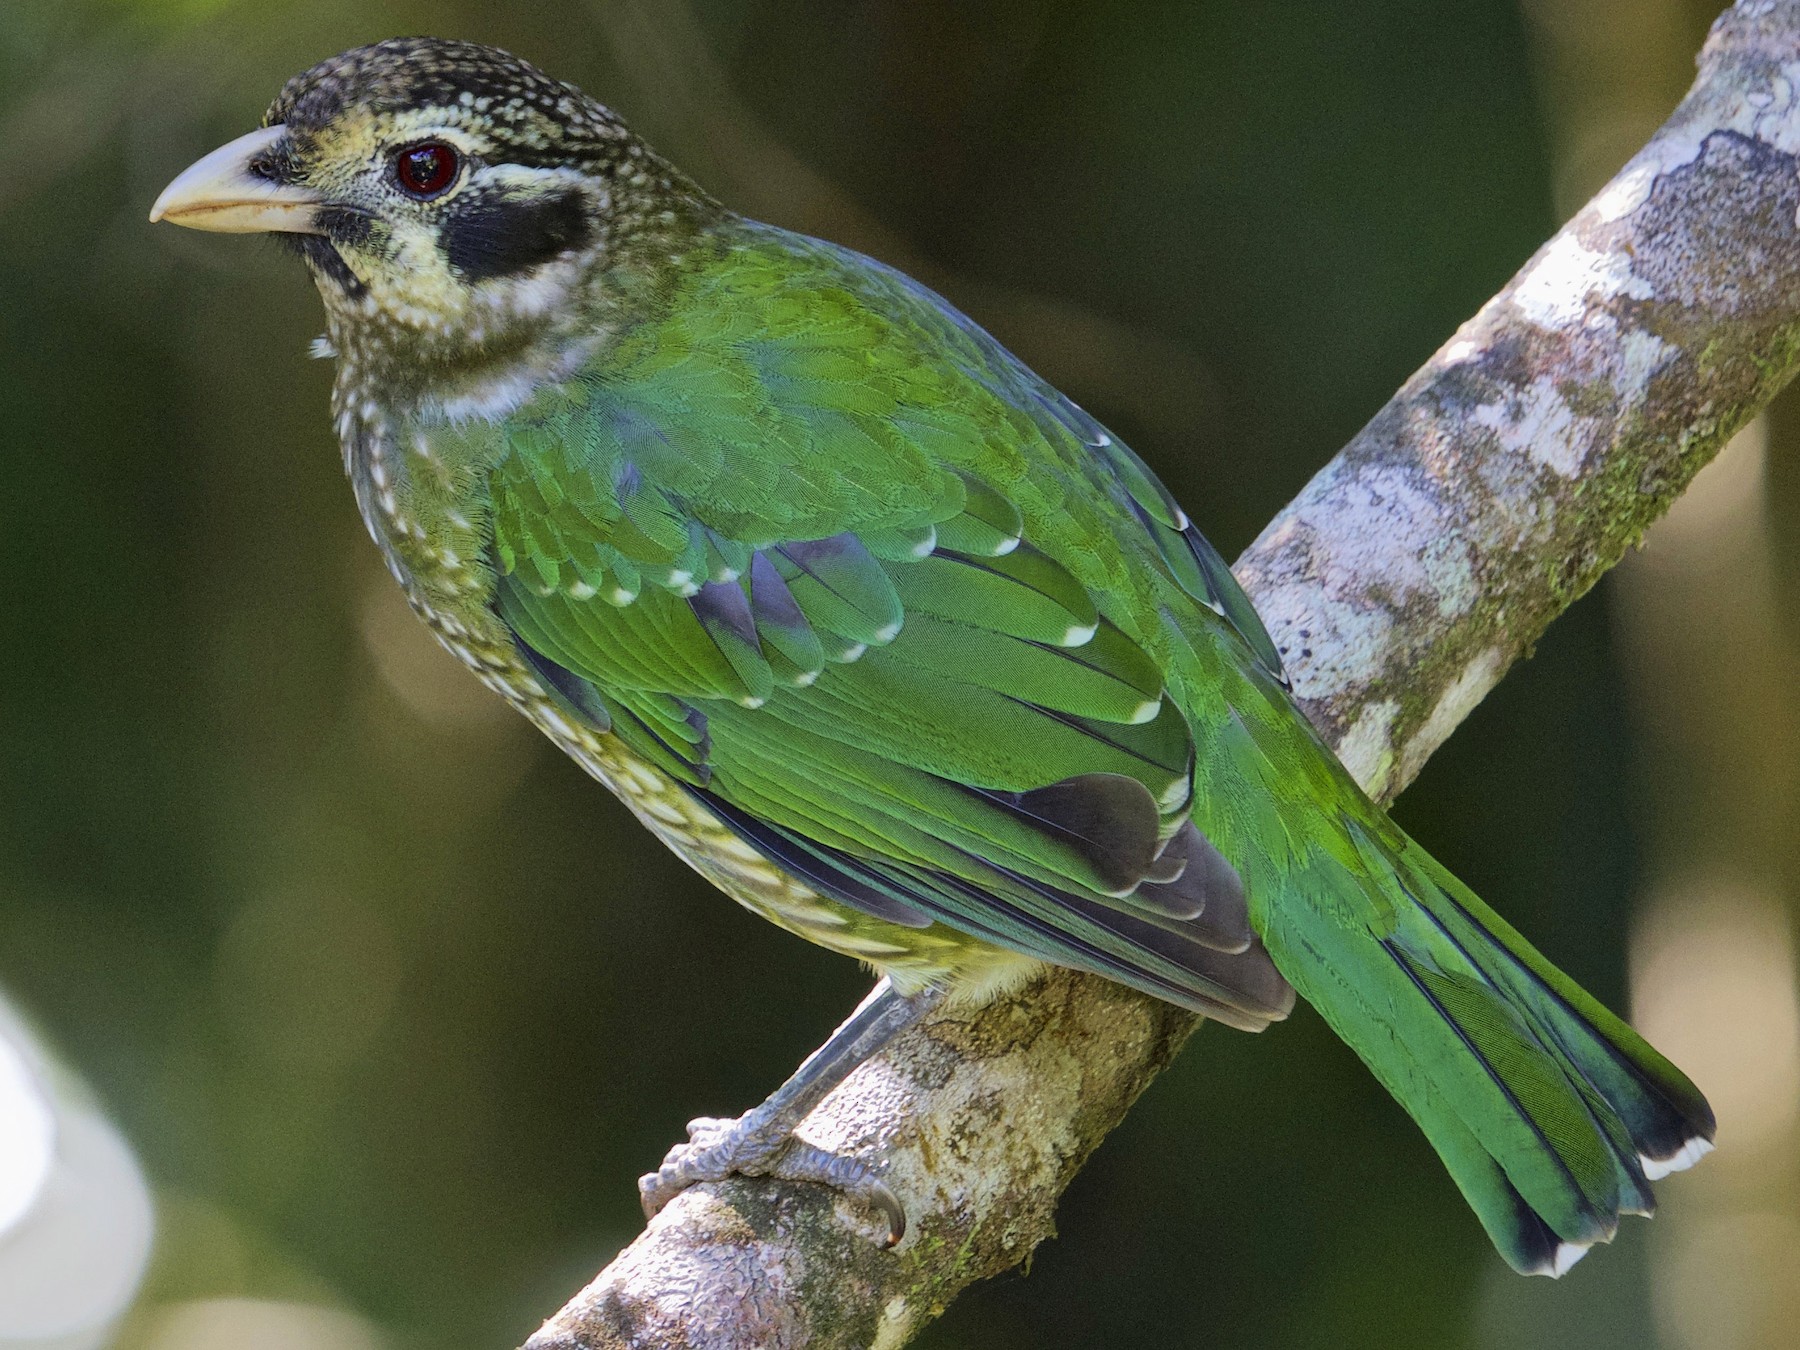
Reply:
x=436, y=552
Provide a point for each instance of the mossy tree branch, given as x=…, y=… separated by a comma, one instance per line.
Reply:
x=1511, y=471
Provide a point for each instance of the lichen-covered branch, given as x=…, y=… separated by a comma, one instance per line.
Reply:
x=1540, y=441
x=1495, y=488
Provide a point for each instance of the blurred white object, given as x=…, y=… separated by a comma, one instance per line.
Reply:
x=75, y=1215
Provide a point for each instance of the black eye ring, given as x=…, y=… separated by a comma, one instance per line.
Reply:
x=426, y=169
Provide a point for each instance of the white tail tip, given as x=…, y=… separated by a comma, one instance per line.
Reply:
x=1655, y=1169
x=1567, y=1254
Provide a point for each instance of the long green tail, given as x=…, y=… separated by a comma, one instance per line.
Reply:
x=1551, y=1114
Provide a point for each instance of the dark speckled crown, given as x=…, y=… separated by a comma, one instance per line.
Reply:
x=541, y=120
x=624, y=213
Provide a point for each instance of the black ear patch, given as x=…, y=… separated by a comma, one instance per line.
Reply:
x=494, y=236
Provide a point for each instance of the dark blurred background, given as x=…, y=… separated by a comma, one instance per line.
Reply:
x=395, y=1005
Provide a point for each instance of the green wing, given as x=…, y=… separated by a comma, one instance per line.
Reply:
x=822, y=551
x=922, y=633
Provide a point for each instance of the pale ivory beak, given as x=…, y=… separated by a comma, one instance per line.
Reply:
x=220, y=193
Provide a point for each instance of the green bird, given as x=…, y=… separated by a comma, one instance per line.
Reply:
x=879, y=632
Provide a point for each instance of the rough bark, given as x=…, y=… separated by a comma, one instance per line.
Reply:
x=1511, y=471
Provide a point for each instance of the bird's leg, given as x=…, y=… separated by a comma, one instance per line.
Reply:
x=761, y=1141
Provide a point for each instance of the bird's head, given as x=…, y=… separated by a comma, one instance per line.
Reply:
x=450, y=199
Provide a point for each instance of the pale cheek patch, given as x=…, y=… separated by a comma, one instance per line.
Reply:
x=413, y=283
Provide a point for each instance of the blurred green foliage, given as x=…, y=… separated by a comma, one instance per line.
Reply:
x=395, y=1003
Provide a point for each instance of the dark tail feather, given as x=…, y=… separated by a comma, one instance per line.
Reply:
x=1552, y=1115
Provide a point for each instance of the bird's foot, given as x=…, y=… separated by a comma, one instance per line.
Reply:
x=761, y=1143
x=747, y=1146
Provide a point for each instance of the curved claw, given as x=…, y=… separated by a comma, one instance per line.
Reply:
x=856, y=1179
x=655, y=1192
x=883, y=1198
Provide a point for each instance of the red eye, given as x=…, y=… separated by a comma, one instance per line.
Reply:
x=426, y=169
